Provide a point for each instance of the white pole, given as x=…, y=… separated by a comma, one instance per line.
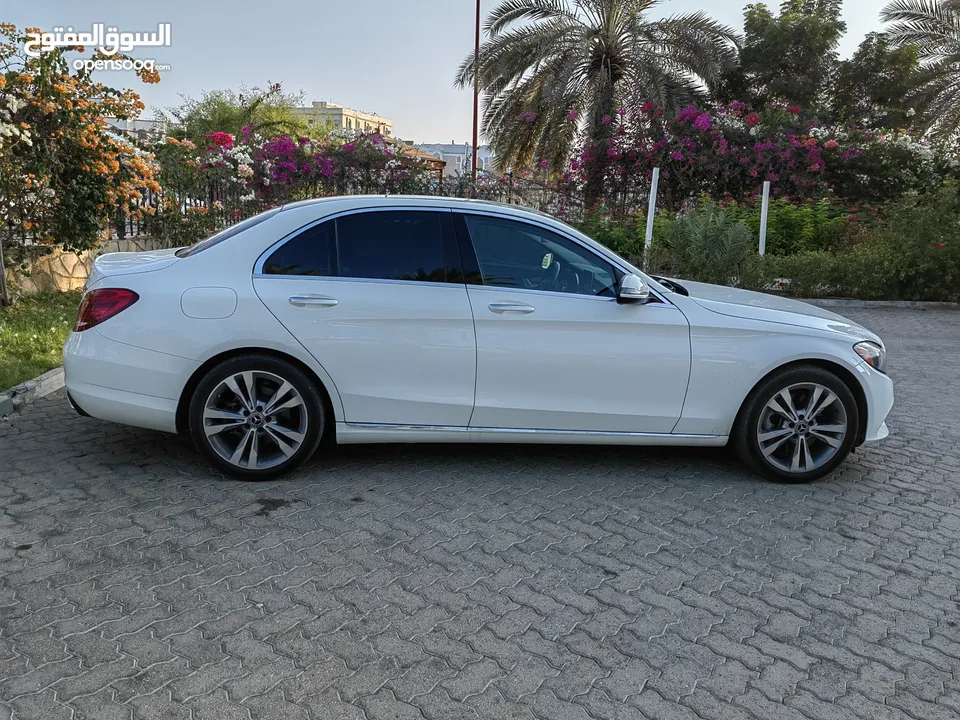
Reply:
x=651, y=212
x=763, y=217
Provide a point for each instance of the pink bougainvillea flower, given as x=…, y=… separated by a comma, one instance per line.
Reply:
x=572, y=116
x=606, y=120
x=753, y=119
x=677, y=155
x=831, y=144
x=647, y=107
x=702, y=123
x=349, y=147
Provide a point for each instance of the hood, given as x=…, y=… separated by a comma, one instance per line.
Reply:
x=772, y=308
x=128, y=263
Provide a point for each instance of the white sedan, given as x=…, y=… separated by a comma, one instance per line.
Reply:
x=396, y=319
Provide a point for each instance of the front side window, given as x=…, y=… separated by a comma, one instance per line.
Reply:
x=394, y=245
x=519, y=255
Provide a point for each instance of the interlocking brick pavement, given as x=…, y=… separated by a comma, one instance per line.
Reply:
x=487, y=582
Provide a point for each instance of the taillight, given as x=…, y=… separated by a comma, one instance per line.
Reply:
x=100, y=305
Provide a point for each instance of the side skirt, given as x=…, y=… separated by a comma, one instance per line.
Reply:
x=358, y=433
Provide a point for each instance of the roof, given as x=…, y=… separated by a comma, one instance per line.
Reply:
x=421, y=201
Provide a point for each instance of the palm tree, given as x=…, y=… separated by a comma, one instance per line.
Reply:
x=933, y=28
x=553, y=67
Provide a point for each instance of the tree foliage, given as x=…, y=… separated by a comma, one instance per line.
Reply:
x=875, y=86
x=551, y=68
x=65, y=176
x=791, y=56
x=270, y=110
x=932, y=27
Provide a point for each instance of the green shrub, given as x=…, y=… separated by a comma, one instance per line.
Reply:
x=795, y=228
x=705, y=243
x=625, y=234
x=912, y=253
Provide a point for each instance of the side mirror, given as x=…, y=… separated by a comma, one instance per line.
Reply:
x=633, y=290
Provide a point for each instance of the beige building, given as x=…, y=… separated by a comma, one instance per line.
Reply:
x=342, y=118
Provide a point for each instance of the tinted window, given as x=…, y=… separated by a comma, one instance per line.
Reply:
x=520, y=255
x=309, y=253
x=227, y=233
x=393, y=245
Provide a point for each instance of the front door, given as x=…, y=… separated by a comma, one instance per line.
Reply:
x=555, y=351
x=371, y=296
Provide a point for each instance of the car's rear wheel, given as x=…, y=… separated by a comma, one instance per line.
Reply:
x=256, y=416
x=797, y=425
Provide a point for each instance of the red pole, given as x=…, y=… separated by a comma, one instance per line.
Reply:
x=476, y=97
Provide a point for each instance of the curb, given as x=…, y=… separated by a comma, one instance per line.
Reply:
x=25, y=393
x=881, y=304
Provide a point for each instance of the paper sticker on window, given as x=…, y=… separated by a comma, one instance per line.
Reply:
x=547, y=260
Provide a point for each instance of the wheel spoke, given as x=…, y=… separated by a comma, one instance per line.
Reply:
x=211, y=430
x=772, y=447
x=287, y=440
x=253, y=460
x=799, y=451
x=294, y=402
x=782, y=404
x=831, y=441
x=241, y=447
x=290, y=434
x=281, y=393
x=814, y=399
x=827, y=402
x=840, y=428
x=231, y=382
x=774, y=434
x=218, y=414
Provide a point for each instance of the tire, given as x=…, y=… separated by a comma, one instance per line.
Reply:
x=821, y=419
x=262, y=436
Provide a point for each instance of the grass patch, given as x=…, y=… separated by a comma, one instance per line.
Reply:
x=32, y=333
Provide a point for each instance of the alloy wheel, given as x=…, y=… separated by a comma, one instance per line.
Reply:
x=255, y=420
x=801, y=427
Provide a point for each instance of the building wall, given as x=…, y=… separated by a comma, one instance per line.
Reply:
x=63, y=271
x=344, y=118
x=459, y=158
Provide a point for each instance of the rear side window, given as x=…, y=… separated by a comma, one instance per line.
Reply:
x=395, y=245
x=227, y=233
x=309, y=253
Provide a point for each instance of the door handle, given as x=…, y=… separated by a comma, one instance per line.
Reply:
x=501, y=308
x=313, y=300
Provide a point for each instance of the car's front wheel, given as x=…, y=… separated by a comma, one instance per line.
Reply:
x=797, y=425
x=256, y=416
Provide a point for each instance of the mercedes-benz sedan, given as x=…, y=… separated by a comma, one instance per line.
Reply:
x=396, y=319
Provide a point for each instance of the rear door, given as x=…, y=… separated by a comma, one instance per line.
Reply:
x=377, y=297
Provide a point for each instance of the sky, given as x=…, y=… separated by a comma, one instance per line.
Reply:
x=396, y=58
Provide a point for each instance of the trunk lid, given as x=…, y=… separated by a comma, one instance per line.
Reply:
x=130, y=263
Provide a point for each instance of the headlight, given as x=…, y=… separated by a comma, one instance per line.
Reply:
x=874, y=354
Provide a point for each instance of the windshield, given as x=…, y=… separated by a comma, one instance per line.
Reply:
x=226, y=233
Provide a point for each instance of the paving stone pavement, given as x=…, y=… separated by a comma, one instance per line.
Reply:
x=487, y=582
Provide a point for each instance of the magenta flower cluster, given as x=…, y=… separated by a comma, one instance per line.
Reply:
x=726, y=152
